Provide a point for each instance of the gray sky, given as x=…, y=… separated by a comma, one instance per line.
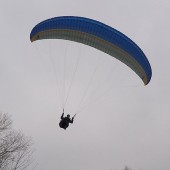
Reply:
x=129, y=125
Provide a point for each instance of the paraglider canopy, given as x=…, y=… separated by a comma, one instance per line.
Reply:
x=97, y=35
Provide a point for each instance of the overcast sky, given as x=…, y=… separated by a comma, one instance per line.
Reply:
x=128, y=124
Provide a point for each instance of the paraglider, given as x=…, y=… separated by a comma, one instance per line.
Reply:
x=64, y=123
x=97, y=35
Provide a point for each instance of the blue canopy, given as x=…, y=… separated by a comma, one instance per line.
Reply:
x=97, y=35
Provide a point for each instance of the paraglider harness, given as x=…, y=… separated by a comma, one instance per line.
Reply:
x=64, y=123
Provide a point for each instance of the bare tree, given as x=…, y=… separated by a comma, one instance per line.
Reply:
x=127, y=168
x=15, y=148
x=5, y=122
